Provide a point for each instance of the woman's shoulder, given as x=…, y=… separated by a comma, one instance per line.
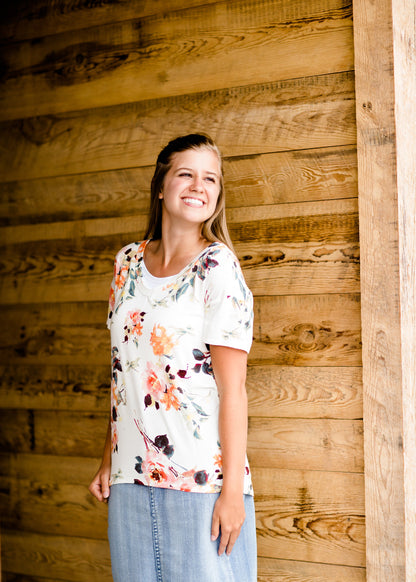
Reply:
x=220, y=265
x=221, y=252
x=126, y=253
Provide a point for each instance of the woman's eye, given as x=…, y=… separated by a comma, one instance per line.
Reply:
x=210, y=179
x=185, y=174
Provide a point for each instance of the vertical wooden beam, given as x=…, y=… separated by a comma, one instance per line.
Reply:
x=385, y=65
x=404, y=45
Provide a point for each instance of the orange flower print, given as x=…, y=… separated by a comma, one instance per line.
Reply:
x=169, y=399
x=218, y=461
x=135, y=321
x=186, y=481
x=162, y=343
x=120, y=277
x=114, y=437
x=142, y=246
x=155, y=469
x=112, y=299
x=133, y=328
x=114, y=389
x=153, y=384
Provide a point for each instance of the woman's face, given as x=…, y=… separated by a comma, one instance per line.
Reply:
x=191, y=186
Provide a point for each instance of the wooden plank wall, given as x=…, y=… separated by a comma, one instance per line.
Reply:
x=90, y=92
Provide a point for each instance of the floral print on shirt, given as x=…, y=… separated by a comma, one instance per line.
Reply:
x=164, y=415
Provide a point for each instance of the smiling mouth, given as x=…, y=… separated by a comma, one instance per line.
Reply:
x=193, y=202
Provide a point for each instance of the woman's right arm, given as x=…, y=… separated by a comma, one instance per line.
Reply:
x=99, y=486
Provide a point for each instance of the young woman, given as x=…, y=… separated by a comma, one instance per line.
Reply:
x=174, y=468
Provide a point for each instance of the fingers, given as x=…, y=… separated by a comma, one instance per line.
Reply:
x=227, y=518
x=229, y=534
x=95, y=489
x=227, y=541
x=105, y=487
x=99, y=486
x=215, y=527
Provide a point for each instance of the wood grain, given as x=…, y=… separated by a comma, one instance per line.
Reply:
x=81, y=268
x=309, y=444
x=80, y=560
x=55, y=387
x=49, y=494
x=11, y=577
x=300, y=268
x=310, y=218
x=283, y=177
x=288, y=330
x=294, y=176
x=275, y=570
x=17, y=430
x=75, y=470
x=49, y=432
x=331, y=528
x=37, y=18
x=404, y=33
x=80, y=197
x=156, y=57
x=74, y=260
x=281, y=391
x=307, y=330
x=43, y=335
x=53, y=507
x=304, y=392
x=385, y=114
x=295, y=114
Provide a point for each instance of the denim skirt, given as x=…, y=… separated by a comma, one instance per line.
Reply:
x=164, y=535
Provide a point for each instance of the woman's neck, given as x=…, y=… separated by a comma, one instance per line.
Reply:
x=170, y=254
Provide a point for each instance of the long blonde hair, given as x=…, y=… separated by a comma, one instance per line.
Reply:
x=213, y=229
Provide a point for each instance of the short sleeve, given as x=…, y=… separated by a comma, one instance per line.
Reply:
x=112, y=296
x=228, y=316
x=121, y=271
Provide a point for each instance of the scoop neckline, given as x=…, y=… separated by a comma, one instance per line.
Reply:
x=165, y=284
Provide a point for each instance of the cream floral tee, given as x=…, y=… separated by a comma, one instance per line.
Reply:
x=164, y=400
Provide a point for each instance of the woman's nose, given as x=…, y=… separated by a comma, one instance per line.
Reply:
x=197, y=184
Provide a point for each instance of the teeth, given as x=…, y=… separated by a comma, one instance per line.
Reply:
x=193, y=202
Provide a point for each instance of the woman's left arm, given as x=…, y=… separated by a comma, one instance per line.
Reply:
x=229, y=367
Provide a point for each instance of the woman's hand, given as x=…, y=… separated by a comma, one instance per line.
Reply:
x=99, y=486
x=229, y=515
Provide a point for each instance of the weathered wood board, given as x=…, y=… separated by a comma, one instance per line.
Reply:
x=150, y=58
x=314, y=249
x=37, y=18
x=291, y=504
x=277, y=570
x=332, y=527
x=273, y=391
x=64, y=558
x=272, y=442
x=286, y=115
x=288, y=330
x=283, y=177
x=315, y=444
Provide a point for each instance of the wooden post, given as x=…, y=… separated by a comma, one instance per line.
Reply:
x=404, y=31
x=385, y=64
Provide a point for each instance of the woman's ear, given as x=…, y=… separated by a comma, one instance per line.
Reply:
x=161, y=195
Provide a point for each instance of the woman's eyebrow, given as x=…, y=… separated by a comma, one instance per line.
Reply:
x=191, y=170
